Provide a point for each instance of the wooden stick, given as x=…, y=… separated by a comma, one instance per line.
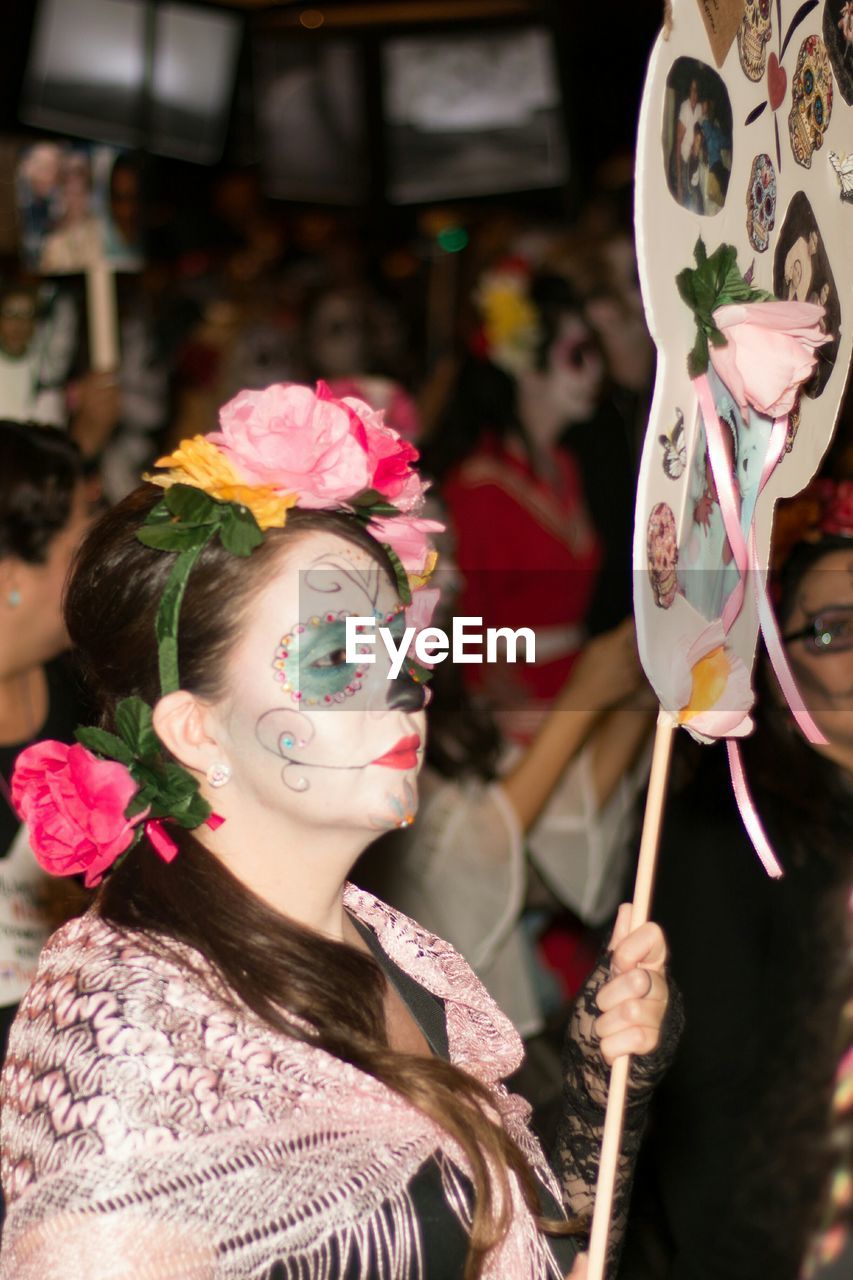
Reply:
x=618, y=1092
x=102, y=315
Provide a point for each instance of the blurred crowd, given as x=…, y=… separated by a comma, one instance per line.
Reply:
x=516, y=358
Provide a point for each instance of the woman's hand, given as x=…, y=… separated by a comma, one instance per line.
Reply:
x=633, y=1002
x=607, y=671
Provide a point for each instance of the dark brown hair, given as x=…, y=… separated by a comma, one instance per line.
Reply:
x=39, y=468
x=271, y=964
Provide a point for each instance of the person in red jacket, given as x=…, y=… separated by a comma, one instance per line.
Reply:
x=526, y=548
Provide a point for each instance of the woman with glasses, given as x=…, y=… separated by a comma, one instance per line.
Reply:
x=737, y=1164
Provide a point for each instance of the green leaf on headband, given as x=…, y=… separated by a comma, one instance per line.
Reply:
x=190, y=505
x=134, y=723
x=104, y=744
x=400, y=574
x=239, y=531
x=173, y=537
x=370, y=502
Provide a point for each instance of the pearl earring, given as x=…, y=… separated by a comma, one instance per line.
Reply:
x=13, y=599
x=219, y=773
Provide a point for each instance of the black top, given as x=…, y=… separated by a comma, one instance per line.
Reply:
x=444, y=1240
x=731, y=1175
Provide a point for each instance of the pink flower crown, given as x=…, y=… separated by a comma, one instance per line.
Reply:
x=284, y=447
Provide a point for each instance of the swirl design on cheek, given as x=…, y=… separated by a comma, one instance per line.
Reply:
x=284, y=733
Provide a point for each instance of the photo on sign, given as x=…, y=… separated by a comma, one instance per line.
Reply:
x=697, y=137
x=78, y=206
x=801, y=273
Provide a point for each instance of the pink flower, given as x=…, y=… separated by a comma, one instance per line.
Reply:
x=770, y=352
x=419, y=615
x=709, y=690
x=73, y=804
x=407, y=536
x=390, y=458
x=296, y=441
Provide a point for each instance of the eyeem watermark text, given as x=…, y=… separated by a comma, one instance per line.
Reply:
x=466, y=643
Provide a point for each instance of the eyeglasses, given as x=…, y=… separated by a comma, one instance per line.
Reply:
x=827, y=632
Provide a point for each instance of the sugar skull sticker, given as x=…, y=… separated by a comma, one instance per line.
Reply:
x=811, y=93
x=761, y=202
x=752, y=36
x=662, y=551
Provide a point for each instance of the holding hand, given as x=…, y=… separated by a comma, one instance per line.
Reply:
x=634, y=1001
x=607, y=671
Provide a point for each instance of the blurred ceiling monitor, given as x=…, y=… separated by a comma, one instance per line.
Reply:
x=472, y=114
x=311, y=118
x=133, y=73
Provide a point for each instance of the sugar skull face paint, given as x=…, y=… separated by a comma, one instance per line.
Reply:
x=321, y=740
x=310, y=662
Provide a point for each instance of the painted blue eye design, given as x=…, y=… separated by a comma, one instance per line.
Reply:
x=808, y=81
x=818, y=110
x=310, y=662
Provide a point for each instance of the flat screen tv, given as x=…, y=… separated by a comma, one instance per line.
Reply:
x=472, y=114
x=133, y=73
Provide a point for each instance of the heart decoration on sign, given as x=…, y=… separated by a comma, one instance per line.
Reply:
x=777, y=76
x=777, y=82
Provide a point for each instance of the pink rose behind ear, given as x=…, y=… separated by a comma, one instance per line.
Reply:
x=73, y=805
x=771, y=350
x=296, y=441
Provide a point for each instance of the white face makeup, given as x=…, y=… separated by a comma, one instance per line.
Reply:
x=325, y=742
x=575, y=370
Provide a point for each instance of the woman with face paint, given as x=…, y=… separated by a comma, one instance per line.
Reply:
x=735, y=1174
x=526, y=547
x=237, y=1065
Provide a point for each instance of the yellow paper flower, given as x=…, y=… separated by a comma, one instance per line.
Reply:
x=198, y=463
x=511, y=322
x=710, y=677
x=418, y=580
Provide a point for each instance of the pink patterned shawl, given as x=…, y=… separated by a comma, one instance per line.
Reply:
x=152, y=1131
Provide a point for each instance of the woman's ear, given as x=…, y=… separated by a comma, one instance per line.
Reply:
x=183, y=725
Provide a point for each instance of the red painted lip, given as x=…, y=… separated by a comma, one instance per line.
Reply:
x=403, y=755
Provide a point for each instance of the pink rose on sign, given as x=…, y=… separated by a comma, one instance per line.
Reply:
x=297, y=441
x=74, y=807
x=771, y=350
x=408, y=538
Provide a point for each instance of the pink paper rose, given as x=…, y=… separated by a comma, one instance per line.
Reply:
x=73, y=804
x=407, y=536
x=419, y=615
x=389, y=458
x=297, y=441
x=709, y=690
x=770, y=352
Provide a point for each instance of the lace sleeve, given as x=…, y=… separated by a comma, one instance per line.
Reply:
x=585, y=1084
